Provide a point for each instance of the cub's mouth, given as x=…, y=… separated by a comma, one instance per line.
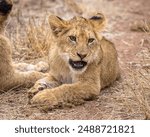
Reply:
x=77, y=64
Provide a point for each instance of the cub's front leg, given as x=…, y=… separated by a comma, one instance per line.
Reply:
x=75, y=94
x=40, y=67
x=45, y=83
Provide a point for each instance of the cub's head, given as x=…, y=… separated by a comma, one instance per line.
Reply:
x=78, y=41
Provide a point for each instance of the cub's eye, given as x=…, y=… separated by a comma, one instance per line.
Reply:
x=72, y=38
x=90, y=40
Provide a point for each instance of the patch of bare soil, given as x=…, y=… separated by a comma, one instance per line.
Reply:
x=128, y=98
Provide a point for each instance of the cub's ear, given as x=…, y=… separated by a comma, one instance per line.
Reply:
x=98, y=21
x=5, y=7
x=57, y=25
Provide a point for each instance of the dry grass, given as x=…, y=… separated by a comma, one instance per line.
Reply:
x=39, y=37
x=34, y=42
x=141, y=26
x=74, y=6
x=139, y=81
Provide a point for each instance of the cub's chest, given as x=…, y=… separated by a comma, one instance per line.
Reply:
x=60, y=69
x=62, y=73
x=65, y=79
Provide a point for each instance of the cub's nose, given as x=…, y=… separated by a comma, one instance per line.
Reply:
x=82, y=56
x=5, y=7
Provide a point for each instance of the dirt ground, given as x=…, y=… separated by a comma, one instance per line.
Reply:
x=128, y=98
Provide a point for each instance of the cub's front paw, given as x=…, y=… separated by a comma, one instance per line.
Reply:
x=34, y=90
x=42, y=66
x=40, y=85
x=45, y=100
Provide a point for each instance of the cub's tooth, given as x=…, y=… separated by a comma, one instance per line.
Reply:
x=75, y=65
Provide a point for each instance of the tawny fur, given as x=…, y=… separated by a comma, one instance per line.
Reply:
x=65, y=84
x=10, y=76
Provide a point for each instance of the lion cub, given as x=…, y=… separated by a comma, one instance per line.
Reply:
x=10, y=76
x=82, y=62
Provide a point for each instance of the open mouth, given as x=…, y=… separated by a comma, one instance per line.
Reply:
x=77, y=64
